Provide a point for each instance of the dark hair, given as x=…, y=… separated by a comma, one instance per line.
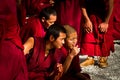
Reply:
x=54, y=30
x=46, y=12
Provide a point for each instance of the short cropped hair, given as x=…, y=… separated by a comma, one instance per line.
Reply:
x=46, y=12
x=54, y=30
x=69, y=29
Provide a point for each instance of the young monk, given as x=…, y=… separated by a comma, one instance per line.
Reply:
x=37, y=25
x=97, y=30
x=12, y=60
x=41, y=60
x=69, y=57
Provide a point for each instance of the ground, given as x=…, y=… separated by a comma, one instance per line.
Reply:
x=112, y=72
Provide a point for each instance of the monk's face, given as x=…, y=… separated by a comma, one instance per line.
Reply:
x=71, y=40
x=58, y=43
x=50, y=21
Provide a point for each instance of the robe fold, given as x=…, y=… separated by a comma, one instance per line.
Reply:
x=9, y=27
x=12, y=62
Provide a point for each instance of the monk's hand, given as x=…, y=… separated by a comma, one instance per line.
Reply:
x=88, y=26
x=59, y=68
x=103, y=27
x=59, y=71
x=75, y=50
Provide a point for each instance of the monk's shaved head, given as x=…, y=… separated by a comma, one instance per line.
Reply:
x=69, y=29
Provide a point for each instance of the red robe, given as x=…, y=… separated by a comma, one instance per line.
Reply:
x=60, y=56
x=12, y=61
x=33, y=7
x=116, y=20
x=69, y=12
x=9, y=27
x=33, y=27
x=39, y=66
x=22, y=13
x=97, y=43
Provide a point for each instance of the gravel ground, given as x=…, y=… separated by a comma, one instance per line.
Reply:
x=112, y=72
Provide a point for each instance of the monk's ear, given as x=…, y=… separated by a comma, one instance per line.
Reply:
x=43, y=19
x=52, y=38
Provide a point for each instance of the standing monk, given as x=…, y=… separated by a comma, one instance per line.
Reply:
x=12, y=61
x=97, y=31
x=69, y=12
x=116, y=20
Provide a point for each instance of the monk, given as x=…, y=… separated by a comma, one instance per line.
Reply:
x=40, y=51
x=12, y=61
x=69, y=57
x=37, y=25
x=97, y=30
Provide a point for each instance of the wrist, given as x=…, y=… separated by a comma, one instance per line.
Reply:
x=71, y=56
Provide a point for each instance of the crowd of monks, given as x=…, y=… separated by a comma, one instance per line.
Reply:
x=42, y=39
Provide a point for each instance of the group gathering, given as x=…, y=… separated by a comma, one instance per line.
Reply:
x=43, y=39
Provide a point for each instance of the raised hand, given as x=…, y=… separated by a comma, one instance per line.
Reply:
x=74, y=51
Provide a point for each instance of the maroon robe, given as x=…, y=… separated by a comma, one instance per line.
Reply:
x=22, y=13
x=33, y=27
x=12, y=60
x=97, y=43
x=116, y=20
x=69, y=12
x=30, y=8
x=74, y=68
x=9, y=27
x=39, y=66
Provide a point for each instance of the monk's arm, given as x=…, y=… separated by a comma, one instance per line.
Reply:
x=87, y=22
x=67, y=63
x=84, y=12
x=110, y=9
x=69, y=58
x=105, y=24
x=28, y=45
